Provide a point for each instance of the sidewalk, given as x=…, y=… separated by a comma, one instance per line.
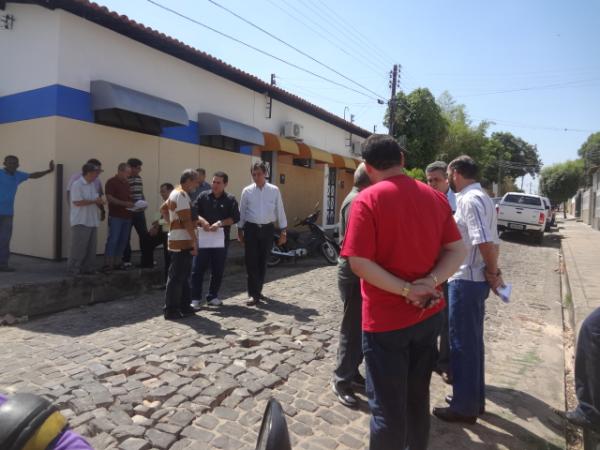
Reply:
x=581, y=252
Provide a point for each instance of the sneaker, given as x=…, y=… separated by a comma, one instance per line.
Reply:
x=196, y=304
x=215, y=302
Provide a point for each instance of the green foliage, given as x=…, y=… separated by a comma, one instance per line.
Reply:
x=559, y=182
x=417, y=173
x=420, y=119
x=590, y=149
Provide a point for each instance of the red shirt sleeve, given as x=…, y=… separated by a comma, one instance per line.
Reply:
x=360, y=234
x=450, y=232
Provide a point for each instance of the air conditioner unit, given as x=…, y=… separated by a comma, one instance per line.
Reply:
x=293, y=130
x=356, y=148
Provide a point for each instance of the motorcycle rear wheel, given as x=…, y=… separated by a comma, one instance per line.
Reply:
x=330, y=253
x=274, y=260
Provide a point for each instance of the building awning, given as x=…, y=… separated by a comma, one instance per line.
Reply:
x=310, y=152
x=274, y=143
x=213, y=125
x=109, y=96
x=341, y=162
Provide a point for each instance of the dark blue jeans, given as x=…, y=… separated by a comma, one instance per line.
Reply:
x=138, y=221
x=177, y=293
x=118, y=234
x=6, y=226
x=215, y=259
x=467, y=355
x=399, y=365
x=587, y=368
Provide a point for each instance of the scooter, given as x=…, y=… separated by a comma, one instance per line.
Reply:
x=299, y=245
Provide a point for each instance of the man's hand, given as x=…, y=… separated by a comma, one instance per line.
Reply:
x=215, y=226
x=129, y=204
x=195, y=249
x=206, y=226
x=51, y=166
x=494, y=280
x=282, y=239
x=241, y=236
x=423, y=296
x=99, y=201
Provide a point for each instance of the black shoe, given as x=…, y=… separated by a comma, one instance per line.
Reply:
x=448, y=400
x=252, y=301
x=577, y=418
x=447, y=415
x=345, y=395
x=188, y=312
x=359, y=381
x=264, y=298
x=173, y=315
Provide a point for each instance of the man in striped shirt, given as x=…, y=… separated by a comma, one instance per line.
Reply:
x=468, y=289
x=138, y=220
x=183, y=246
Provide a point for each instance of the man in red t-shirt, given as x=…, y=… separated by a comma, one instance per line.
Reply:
x=403, y=243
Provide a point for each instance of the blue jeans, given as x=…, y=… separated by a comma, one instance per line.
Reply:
x=6, y=226
x=118, y=235
x=399, y=365
x=467, y=355
x=215, y=259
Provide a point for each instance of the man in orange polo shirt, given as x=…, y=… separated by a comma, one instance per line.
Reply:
x=402, y=242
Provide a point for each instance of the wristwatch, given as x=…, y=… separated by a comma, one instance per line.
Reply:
x=406, y=289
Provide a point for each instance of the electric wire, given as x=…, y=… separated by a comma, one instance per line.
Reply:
x=263, y=52
x=278, y=39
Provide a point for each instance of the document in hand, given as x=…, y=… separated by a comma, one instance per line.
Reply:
x=210, y=239
x=504, y=292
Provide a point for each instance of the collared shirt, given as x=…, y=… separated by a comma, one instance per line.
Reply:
x=262, y=206
x=203, y=187
x=344, y=270
x=451, y=196
x=77, y=176
x=136, y=187
x=88, y=215
x=213, y=209
x=477, y=222
x=8, y=190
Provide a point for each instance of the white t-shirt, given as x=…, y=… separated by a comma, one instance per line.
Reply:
x=88, y=215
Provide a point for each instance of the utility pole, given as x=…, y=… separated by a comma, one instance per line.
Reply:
x=394, y=82
x=499, y=176
x=273, y=80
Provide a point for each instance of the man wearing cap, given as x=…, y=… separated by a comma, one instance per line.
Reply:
x=97, y=183
x=85, y=218
x=10, y=178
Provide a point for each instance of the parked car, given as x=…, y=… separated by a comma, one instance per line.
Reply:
x=522, y=212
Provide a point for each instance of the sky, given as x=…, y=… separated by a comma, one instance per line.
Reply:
x=531, y=67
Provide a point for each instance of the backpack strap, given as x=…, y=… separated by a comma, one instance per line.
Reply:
x=29, y=422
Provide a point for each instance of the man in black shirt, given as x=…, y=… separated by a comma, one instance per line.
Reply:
x=216, y=209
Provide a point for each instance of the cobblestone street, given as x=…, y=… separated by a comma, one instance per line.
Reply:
x=128, y=379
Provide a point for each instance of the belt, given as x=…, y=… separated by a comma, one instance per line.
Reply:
x=260, y=225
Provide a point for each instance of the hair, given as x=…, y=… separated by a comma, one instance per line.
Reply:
x=168, y=186
x=7, y=157
x=94, y=161
x=200, y=170
x=361, y=178
x=259, y=165
x=134, y=162
x=382, y=152
x=465, y=166
x=89, y=167
x=437, y=165
x=122, y=166
x=188, y=174
x=223, y=175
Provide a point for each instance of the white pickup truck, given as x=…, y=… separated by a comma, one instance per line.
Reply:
x=522, y=212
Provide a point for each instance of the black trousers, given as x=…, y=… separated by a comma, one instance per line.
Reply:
x=350, y=354
x=399, y=365
x=149, y=243
x=587, y=368
x=139, y=223
x=258, y=244
x=177, y=294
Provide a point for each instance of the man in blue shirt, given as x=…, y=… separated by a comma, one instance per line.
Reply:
x=10, y=178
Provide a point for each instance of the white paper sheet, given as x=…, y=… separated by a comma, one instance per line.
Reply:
x=504, y=292
x=210, y=239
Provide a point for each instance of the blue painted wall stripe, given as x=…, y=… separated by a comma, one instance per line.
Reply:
x=64, y=101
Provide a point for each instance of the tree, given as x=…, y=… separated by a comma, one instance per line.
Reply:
x=559, y=182
x=417, y=173
x=419, y=118
x=506, y=155
x=590, y=153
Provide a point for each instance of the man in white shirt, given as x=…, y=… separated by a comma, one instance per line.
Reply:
x=260, y=207
x=97, y=183
x=84, y=218
x=468, y=289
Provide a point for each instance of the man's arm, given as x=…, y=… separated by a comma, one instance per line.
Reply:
x=374, y=274
x=116, y=201
x=242, y=221
x=35, y=175
x=451, y=257
x=489, y=252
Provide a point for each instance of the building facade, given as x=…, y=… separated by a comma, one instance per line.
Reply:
x=80, y=82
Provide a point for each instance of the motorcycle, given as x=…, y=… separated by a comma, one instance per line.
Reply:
x=299, y=245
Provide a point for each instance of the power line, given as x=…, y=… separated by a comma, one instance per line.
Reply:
x=534, y=127
x=278, y=39
x=239, y=41
x=534, y=88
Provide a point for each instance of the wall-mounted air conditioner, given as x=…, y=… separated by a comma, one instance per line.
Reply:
x=293, y=130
